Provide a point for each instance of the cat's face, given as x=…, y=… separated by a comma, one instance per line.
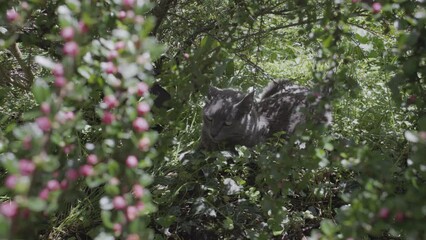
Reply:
x=225, y=114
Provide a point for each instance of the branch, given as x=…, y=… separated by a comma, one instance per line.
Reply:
x=16, y=52
x=254, y=65
x=276, y=28
x=160, y=12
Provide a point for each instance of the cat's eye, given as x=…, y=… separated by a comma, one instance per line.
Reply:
x=209, y=118
x=228, y=123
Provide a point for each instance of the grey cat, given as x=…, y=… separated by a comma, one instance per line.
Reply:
x=232, y=118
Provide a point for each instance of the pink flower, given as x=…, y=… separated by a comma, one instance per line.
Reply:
x=11, y=15
x=133, y=236
x=131, y=161
x=139, y=19
x=109, y=67
x=25, y=5
x=144, y=144
x=92, y=159
x=86, y=170
x=121, y=15
x=108, y=118
x=422, y=135
x=68, y=148
x=45, y=108
x=140, y=125
x=111, y=101
x=82, y=26
x=128, y=3
x=377, y=7
x=58, y=70
x=71, y=49
x=26, y=142
x=132, y=213
x=399, y=217
x=143, y=108
x=9, y=209
x=114, y=181
x=26, y=167
x=140, y=206
x=119, y=202
x=64, y=184
x=384, y=213
x=59, y=82
x=186, y=56
x=62, y=117
x=69, y=115
x=138, y=191
x=112, y=55
x=11, y=181
x=120, y=45
x=72, y=174
x=117, y=228
x=53, y=185
x=25, y=213
x=142, y=89
x=67, y=33
x=130, y=14
x=44, y=194
x=44, y=123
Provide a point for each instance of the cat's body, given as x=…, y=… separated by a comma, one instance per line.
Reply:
x=232, y=118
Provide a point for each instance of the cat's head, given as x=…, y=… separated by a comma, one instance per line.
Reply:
x=226, y=113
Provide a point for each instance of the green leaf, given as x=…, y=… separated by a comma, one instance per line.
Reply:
x=48, y=163
x=36, y=204
x=166, y=221
x=106, y=219
x=328, y=228
x=3, y=30
x=327, y=42
x=228, y=223
x=94, y=181
x=113, y=168
x=44, y=62
x=86, y=72
x=4, y=227
x=230, y=68
x=328, y=147
x=40, y=91
x=30, y=115
x=112, y=189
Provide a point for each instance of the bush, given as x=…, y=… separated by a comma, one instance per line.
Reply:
x=86, y=139
x=80, y=158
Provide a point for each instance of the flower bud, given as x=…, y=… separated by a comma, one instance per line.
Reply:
x=131, y=161
x=119, y=202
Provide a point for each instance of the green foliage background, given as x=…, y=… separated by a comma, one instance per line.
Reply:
x=334, y=187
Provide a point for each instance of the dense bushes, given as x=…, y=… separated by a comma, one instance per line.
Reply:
x=79, y=159
x=90, y=125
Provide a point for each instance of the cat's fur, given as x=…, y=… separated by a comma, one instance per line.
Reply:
x=233, y=118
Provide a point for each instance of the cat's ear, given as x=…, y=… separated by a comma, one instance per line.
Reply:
x=246, y=104
x=213, y=91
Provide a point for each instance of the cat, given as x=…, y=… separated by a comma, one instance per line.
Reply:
x=232, y=118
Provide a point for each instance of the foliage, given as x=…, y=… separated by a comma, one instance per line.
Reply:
x=89, y=134
x=359, y=178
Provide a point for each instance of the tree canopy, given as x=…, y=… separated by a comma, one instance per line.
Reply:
x=100, y=119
